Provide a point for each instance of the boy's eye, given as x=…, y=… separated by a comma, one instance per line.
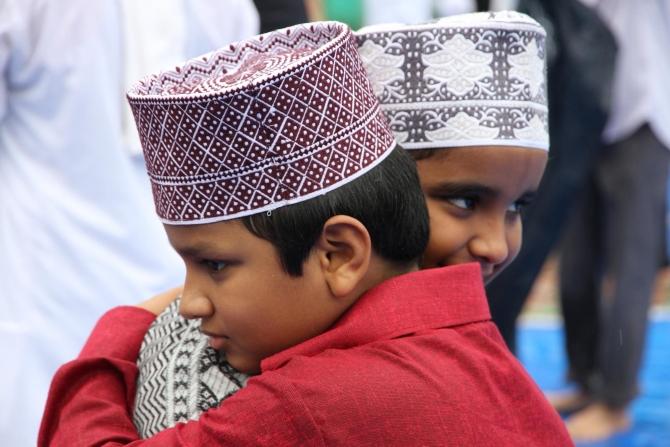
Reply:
x=214, y=266
x=518, y=206
x=465, y=203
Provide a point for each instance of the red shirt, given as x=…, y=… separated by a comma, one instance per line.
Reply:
x=416, y=361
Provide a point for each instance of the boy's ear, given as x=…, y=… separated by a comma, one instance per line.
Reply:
x=344, y=250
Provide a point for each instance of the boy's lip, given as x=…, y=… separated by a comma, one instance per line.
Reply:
x=212, y=334
x=491, y=273
x=488, y=273
x=217, y=341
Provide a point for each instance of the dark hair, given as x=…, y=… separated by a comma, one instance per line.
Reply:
x=387, y=200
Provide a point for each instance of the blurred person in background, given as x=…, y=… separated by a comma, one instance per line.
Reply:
x=616, y=241
x=581, y=54
x=609, y=119
x=77, y=232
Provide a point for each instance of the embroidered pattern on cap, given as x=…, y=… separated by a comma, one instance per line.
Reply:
x=260, y=124
x=472, y=79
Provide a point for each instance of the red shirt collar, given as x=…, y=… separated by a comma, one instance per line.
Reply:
x=405, y=304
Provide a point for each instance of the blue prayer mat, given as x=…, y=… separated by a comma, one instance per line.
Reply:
x=541, y=351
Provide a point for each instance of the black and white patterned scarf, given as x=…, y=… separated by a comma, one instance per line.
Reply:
x=180, y=375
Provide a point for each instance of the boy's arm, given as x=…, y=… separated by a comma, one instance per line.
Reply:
x=99, y=386
x=91, y=398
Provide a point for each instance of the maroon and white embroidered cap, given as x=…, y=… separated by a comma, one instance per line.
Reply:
x=259, y=124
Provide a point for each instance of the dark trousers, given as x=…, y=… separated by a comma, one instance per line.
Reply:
x=611, y=253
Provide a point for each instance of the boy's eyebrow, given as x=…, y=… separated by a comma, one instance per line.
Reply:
x=194, y=251
x=462, y=189
x=454, y=189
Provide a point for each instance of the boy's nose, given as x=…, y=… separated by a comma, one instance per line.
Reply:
x=195, y=304
x=491, y=246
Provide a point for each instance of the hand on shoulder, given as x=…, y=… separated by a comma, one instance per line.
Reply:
x=157, y=304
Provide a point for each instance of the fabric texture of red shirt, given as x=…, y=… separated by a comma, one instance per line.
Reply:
x=415, y=361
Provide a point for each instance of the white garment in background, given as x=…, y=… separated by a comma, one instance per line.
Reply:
x=376, y=12
x=78, y=233
x=396, y=11
x=503, y=5
x=445, y=8
x=186, y=29
x=641, y=89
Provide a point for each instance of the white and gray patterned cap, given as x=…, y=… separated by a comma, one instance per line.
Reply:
x=466, y=80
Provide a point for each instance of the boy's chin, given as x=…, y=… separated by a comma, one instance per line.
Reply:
x=244, y=364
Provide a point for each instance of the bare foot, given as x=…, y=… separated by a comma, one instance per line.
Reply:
x=566, y=403
x=597, y=422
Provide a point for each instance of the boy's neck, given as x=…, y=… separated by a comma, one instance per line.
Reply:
x=381, y=270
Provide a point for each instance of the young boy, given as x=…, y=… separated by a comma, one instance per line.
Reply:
x=473, y=84
x=440, y=91
x=276, y=177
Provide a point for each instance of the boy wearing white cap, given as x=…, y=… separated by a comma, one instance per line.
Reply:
x=300, y=225
x=466, y=96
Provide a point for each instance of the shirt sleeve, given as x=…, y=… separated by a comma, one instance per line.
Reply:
x=98, y=387
x=91, y=399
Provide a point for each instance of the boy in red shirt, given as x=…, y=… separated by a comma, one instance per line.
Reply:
x=300, y=226
x=476, y=178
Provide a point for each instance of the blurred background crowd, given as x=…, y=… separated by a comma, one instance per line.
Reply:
x=78, y=233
